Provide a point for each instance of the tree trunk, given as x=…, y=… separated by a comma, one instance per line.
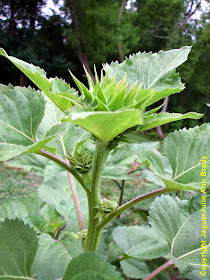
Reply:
x=80, y=48
x=120, y=51
x=33, y=17
x=12, y=24
x=23, y=80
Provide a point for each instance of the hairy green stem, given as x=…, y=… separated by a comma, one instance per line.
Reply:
x=129, y=204
x=159, y=270
x=101, y=154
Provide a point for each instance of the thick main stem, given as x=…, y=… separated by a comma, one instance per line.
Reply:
x=101, y=154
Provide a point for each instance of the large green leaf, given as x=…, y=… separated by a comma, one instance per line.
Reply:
x=60, y=143
x=140, y=242
x=186, y=150
x=167, y=215
x=57, y=191
x=18, y=245
x=42, y=217
x=106, y=125
x=30, y=162
x=155, y=71
x=171, y=218
x=163, y=118
x=46, y=220
x=8, y=150
x=53, y=256
x=18, y=207
x=66, y=141
x=21, y=111
x=134, y=268
x=119, y=162
x=137, y=268
x=195, y=202
x=55, y=89
x=89, y=266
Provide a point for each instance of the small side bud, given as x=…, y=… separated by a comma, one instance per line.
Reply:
x=82, y=234
x=107, y=206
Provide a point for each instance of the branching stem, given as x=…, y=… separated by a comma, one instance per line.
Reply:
x=76, y=202
x=159, y=270
x=64, y=164
x=129, y=204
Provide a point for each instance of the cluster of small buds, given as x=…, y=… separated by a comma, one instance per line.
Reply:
x=81, y=160
x=107, y=206
x=82, y=234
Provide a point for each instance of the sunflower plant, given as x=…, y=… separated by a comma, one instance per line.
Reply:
x=76, y=131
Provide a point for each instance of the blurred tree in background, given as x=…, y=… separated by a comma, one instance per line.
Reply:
x=95, y=31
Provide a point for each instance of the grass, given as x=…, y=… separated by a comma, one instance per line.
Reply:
x=16, y=182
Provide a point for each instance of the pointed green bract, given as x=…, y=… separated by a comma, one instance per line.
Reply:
x=163, y=118
x=106, y=125
x=186, y=150
x=153, y=111
x=89, y=266
x=82, y=88
x=18, y=245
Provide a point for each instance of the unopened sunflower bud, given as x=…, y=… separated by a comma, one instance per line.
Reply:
x=107, y=206
x=82, y=234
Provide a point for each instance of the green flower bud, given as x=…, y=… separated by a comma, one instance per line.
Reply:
x=82, y=234
x=107, y=206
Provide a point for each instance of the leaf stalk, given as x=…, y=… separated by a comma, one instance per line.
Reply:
x=159, y=270
x=63, y=164
x=129, y=204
